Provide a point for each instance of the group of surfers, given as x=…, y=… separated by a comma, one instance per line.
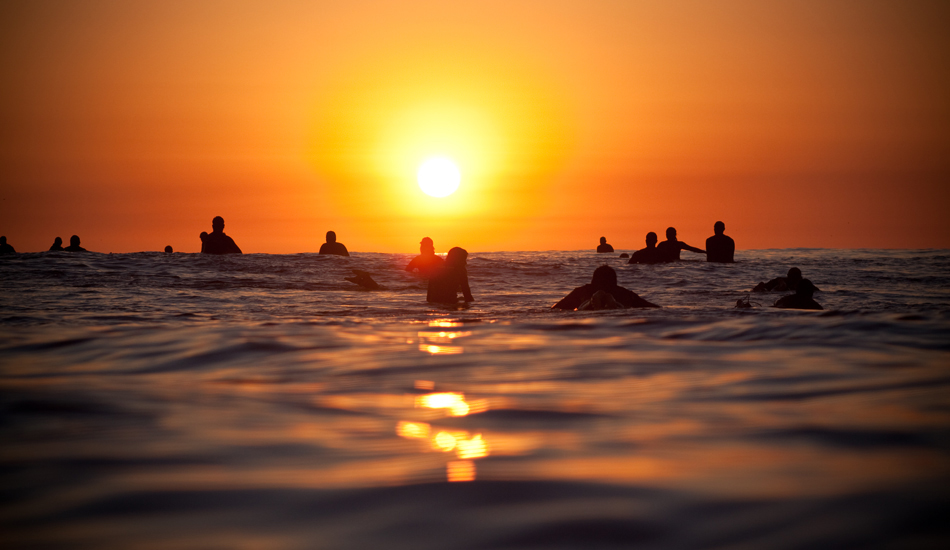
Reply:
x=720, y=248
x=448, y=277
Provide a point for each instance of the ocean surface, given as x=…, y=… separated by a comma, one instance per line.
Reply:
x=178, y=401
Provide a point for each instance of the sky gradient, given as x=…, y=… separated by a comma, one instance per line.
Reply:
x=798, y=124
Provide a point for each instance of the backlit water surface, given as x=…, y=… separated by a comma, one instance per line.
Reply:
x=261, y=401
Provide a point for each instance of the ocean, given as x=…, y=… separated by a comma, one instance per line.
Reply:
x=181, y=401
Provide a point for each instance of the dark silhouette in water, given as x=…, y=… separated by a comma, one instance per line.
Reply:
x=604, y=281
x=669, y=250
x=57, y=245
x=746, y=303
x=782, y=284
x=603, y=247
x=363, y=279
x=217, y=242
x=720, y=247
x=6, y=248
x=333, y=247
x=624, y=255
x=802, y=299
x=648, y=255
x=426, y=262
x=168, y=249
x=74, y=245
x=450, y=280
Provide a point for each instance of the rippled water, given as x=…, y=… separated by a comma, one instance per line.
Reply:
x=262, y=401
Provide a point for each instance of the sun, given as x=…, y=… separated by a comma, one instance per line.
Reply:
x=438, y=177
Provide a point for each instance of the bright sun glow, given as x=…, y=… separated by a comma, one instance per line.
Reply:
x=439, y=177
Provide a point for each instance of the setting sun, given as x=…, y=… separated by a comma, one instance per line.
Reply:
x=438, y=177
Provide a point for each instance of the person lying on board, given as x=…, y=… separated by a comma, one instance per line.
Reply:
x=802, y=299
x=604, y=280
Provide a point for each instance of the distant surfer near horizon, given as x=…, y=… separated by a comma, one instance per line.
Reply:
x=333, y=247
x=217, y=242
x=445, y=285
x=74, y=245
x=57, y=245
x=669, y=250
x=603, y=247
x=602, y=292
x=720, y=247
x=648, y=255
x=802, y=299
x=427, y=262
x=6, y=248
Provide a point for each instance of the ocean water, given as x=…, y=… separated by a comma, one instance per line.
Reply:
x=261, y=401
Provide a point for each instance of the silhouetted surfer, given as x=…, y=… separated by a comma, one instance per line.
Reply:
x=603, y=247
x=648, y=255
x=57, y=245
x=669, y=250
x=720, y=247
x=781, y=284
x=217, y=242
x=802, y=299
x=363, y=279
x=6, y=248
x=333, y=247
x=451, y=279
x=426, y=262
x=74, y=245
x=603, y=281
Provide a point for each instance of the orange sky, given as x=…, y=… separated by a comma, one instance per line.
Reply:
x=798, y=124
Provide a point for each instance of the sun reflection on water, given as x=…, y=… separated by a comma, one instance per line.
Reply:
x=460, y=470
x=441, y=341
x=466, y=446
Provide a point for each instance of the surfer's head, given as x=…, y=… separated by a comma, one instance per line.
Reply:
x=456, y=257
x=604, y=276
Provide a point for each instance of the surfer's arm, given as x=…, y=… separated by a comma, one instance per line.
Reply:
x=466, y=290
x=684, y=246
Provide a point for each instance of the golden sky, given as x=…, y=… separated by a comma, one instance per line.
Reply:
x=797, y=123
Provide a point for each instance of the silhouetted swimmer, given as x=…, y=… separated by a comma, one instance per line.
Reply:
x=426, y=262
x=669, y=250
x=603, y=281
x=720, y=247
x=6, y=248
x=603, y=247
x=57, y=245
x=451, y=279
x=333, y=247
x=74, y=245
x=802, y=299
x=168, y=249
x=781, y=284
x=648, y=255
x=217, y=242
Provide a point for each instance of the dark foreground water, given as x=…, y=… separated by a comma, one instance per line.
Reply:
x=262, y=402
